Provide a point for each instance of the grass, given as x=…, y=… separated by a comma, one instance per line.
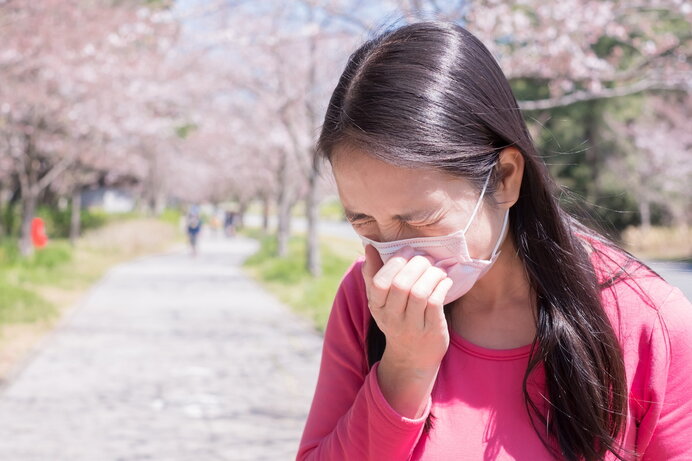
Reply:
x=21, y=278
x=659, y=243
x=289, y=280
x=36, y=292
x=19, y=305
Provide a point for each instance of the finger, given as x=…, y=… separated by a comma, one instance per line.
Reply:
x=378, y=286
x=421, y=290
x=404, y=280
x=434, y=311
x=394, y=264
x=372, y=264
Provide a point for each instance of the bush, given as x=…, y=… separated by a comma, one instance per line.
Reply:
x=9, y=252
x=49, y=257
x=54, y=254
x=58, y=221
x=171, y=215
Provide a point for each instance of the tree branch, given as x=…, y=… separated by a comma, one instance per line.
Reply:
x=54, y=172
x=606, y=93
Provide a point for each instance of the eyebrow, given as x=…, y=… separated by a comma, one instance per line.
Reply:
x=420, y=215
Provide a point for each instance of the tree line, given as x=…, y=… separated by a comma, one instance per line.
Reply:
x=215, y=101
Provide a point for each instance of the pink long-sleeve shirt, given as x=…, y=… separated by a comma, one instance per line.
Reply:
x=477, y=397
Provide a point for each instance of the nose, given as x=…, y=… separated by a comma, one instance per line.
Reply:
x=393, y=236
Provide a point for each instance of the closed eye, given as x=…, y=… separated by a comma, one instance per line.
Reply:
x=427, y=224
x=417, y=226
x=361, y=223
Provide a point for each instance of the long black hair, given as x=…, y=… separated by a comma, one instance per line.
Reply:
x=431, y=95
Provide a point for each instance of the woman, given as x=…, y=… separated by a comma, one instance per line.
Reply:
x=483, y=323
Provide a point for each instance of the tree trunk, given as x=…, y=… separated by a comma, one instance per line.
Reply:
x=159, y=202
x=314, y=265
x=9, y=215
x=283, y=230
x=33, y=179
x=76, y=217
x=28, y=190
x=242, y=210
x=29, y=201
x=284, y=225
x=265, y=213
x=314, y=260
x=151, y=187
x=4, y=199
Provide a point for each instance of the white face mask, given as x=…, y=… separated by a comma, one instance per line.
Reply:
x=449, y=252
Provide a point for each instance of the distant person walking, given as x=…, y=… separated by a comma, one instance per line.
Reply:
x=194, y=226
x=230, y=223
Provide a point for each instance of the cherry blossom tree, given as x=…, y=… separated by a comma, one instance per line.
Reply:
x=61, y=96
x=569, y=52
x=286, y=72
x=588, y=50
x=223, y=100
x=579, y=49
x=655, y=163
x=96, y=88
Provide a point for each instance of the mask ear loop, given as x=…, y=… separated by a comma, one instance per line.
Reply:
x=478, y=203
x=502, y=235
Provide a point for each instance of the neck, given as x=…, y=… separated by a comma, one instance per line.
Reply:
x=504, y=286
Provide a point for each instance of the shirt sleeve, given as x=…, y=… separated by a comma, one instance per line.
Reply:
x=350, y=417
x=665, y=429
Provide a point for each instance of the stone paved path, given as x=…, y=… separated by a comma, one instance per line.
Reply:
x=169, y=358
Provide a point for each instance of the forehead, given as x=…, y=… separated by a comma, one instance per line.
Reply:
x=368, y=184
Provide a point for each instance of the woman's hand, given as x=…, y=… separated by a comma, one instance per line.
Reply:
x=405, y=297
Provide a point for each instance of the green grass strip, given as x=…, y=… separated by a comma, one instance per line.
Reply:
x=288, y=278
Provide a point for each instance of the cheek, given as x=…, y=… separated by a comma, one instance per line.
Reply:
x=366, y=230
x=481, y=237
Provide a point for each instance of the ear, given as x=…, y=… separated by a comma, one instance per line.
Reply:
x=511, y=171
